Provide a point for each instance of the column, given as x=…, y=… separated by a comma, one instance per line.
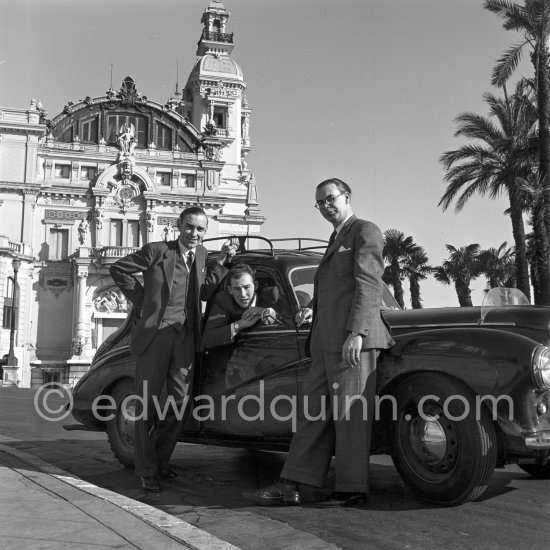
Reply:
x=81, y=339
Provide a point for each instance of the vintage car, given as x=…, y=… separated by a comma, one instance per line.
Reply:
x=464, y=390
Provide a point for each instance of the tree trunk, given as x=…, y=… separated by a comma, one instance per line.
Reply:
x=535, y=280
x=540, y=253
x=398, y=293
x=464, y=294
x=543, y=98
x=414, y=287
x=518, y=230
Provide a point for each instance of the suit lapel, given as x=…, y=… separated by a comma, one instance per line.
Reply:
x=200, y=261
x=169, y=263
x=339, y=239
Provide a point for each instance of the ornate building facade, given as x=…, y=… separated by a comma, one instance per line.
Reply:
x=101, y=179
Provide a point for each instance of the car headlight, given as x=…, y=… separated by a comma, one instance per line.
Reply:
x=541, y=367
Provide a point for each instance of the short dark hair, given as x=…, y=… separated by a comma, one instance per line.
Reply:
x=238, y=270
x=192, y=211
x=342, y=185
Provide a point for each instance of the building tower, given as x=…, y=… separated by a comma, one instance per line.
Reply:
x=216, y=104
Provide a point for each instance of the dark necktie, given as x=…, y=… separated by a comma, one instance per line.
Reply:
x=189, y=260
x=330, y=241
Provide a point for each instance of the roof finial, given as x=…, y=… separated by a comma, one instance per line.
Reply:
x=111, y=94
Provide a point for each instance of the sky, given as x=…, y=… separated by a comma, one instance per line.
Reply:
x=362, y=90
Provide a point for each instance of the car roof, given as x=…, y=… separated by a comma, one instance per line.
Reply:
x=284, y=259
x=252, y=250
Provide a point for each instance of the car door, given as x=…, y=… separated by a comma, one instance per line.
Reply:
x=248, y=388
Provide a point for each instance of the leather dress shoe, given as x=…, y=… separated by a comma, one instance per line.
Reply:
x=167, y=473
x=276, y=494
x=344, y=500
x=150, y=483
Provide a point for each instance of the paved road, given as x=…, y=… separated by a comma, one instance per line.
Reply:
x=513, y=513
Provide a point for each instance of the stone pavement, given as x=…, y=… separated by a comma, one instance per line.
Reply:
x=41, y=506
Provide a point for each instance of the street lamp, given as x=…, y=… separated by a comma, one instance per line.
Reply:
x=12, y=360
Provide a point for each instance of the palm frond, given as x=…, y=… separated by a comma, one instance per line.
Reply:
x=507, y=64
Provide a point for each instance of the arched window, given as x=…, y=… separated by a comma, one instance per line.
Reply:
x=164, y=137
x=115, y=123
x=88, y=130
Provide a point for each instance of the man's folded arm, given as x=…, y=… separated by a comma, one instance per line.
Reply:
x=122, y=272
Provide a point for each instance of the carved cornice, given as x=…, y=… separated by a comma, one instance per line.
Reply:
x=22, y=129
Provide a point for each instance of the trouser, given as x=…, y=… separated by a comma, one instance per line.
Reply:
x=167, y=362
x=336, y=418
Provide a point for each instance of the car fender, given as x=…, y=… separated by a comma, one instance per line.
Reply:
x=99, y=380
x=488, y=360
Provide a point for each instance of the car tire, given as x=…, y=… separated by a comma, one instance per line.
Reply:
x=442, y=457
x=538, y=471
x=120, y=429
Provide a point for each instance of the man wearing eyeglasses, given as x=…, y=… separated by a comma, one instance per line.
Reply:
x=344, y=342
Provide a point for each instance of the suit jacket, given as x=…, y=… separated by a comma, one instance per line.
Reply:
x=348, y=288
x=217, y=330
x=157, y=262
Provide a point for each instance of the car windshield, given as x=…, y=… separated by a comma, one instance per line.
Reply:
x=301, y=279
x=502, y=296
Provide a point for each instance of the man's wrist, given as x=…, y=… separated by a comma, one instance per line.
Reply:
x=234, y=329
x=354, y=333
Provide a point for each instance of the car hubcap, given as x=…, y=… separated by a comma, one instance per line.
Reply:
x=432, y=439
x=127, y=421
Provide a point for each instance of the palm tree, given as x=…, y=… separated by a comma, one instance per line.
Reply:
x=533, y=22
x=460, y=268
x=498, y=265
x=417, y=269
x=397, y=248
x=537, y=244
x=533, y=256
x=501, y=151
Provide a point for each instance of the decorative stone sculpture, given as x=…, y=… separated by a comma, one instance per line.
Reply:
x=111, y=300
x=83, y=227
x=150, y=220
x=127, y=139
x=99, y=215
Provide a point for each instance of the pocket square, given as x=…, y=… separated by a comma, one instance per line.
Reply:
x=344, y=249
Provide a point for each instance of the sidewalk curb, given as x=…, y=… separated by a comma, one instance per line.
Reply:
x=179, y=530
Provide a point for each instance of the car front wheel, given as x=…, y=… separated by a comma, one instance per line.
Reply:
x=444, y=447
x=120, y=429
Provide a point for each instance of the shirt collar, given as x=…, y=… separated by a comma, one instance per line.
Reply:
x=341, y=224
x=184, y=250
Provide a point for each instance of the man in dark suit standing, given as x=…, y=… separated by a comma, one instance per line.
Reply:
x=166, y=334
x=346, y=335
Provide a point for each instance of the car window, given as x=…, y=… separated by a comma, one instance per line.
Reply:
x=271, y=294
x=301, y=280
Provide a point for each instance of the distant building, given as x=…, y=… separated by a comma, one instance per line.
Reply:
x=102, y=178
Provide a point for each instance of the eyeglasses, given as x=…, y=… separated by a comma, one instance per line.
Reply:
x=328, y=201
